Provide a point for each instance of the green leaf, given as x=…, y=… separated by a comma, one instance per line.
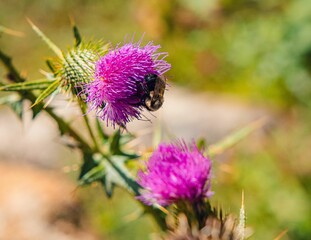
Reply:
x=11, y=32
x=101, y=133
x=15, y=102
x=52, y=46
x=51, y=66
x=110, y=172
x=28, y=85
x=201, y=143
x=94, y=174
x=88, y=164
x=47, y=92
x=235, y=137
x=12, y=75
x=118, y=175
x=36, y=110
x=108, y=187
x=77, y=36
x=117, y=141
x=18, y=108
x=62, y=127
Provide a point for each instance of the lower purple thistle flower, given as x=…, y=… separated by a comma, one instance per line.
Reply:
x=117, y=90
x=175, y=172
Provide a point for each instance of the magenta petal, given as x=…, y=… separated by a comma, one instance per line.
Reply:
x=175, y=172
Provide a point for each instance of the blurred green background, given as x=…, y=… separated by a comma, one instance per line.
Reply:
x=258, y=50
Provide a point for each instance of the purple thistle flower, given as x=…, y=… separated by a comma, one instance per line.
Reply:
x=175, y=172
x=117, y=90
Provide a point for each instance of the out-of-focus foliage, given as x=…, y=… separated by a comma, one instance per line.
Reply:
x=117, y=217
x=260, y=49
x=274, y=172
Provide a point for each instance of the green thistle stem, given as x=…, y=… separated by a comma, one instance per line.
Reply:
x=88, y=125
x=7, y=61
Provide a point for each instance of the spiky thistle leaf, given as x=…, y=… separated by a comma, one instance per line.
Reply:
x=47, y=92
x=11, y=31
x=235, y=137
x=27, y=85
x=52, y=46
x=110, y=172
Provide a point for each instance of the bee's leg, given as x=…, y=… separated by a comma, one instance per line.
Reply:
x=141, y=93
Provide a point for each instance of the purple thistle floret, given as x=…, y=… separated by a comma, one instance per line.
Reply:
x=117, y=90
x=175, y=172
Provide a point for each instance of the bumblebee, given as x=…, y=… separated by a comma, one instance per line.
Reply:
x=154, y=92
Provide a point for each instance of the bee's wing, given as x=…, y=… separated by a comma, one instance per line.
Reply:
x=160, y=85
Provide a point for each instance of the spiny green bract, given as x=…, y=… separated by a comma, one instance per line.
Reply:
x=78, y=64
